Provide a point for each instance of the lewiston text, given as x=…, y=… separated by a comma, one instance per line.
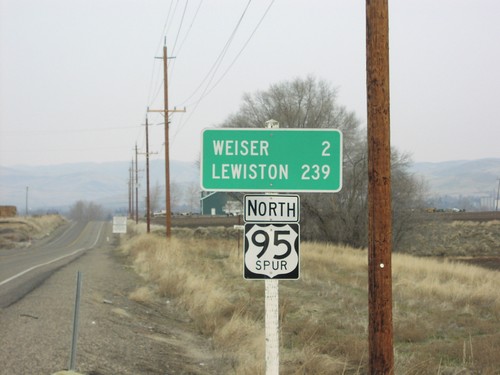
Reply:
x=252, y=171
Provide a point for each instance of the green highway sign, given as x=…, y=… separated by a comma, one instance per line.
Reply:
x=267, y=160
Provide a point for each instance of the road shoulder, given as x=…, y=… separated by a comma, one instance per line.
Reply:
x=116, y=335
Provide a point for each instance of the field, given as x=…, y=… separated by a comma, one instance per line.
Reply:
x=452, y=236
x=446, y=313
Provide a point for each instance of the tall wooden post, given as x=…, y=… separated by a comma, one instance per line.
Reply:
x=166, y=111
x=148, y=199
x=381, y=354
x=132, y=214
x=168, y=214
x=136, y=187
x=129, y=192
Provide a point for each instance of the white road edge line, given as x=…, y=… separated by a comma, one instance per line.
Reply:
x=52, y=261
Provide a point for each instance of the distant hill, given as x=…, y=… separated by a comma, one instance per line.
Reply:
x=461, y=177
x=57, y=187
x=464, y=184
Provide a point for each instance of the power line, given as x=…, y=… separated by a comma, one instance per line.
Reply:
x=185, y=36
x=207, y=84
x=166, y=25
x=164, y=36
x=180, y=27
x=206, y=93
x=238, y=54
x=173, y=14
x=213, y=69
x=190, y=26
x=69, y=130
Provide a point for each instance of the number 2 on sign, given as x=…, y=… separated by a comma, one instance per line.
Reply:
x=326, y=148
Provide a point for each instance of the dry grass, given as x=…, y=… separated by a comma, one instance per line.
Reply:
x=142, y=294
x=446, y=315
x=19, y=231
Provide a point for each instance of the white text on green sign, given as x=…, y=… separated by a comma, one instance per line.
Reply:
x=272, y=160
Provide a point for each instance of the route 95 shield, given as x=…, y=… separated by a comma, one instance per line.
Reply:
x=272, y=251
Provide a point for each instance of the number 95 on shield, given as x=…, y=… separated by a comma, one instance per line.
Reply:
x=272, y=251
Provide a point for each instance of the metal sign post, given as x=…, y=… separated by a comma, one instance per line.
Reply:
x=272, y=326
x=272, y=253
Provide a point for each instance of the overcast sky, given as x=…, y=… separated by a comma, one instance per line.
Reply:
x=76, y=77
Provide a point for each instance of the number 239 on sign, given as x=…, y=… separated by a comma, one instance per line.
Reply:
x=272, y=251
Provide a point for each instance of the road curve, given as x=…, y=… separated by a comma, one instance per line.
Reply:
x=22, y=270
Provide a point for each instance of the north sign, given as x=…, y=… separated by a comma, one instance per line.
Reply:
x=267, y=160
x=271, y=208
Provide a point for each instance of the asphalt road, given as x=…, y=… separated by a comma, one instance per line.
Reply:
x=23, y=269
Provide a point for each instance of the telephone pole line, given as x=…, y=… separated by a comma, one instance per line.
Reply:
x=166, y=111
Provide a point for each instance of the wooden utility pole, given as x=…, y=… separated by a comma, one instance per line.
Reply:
x=148, y=199
x=129, y=192
x=381, y=353
x=496, y=202
x=136, y=188
x=132, y=215
x=166, y=111
x=27, y=208
x=168, y=213
x=148, y=205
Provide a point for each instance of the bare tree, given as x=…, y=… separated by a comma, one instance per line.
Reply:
x=193, y=197
x=86, y=211
x=176, y=196
x=407, y=196
x=154, y=197
x=340, y=217
x=77, y=211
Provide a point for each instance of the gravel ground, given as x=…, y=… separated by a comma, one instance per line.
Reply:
x=116, y=335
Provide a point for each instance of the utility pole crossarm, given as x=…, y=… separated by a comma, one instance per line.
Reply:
x=167, y=111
